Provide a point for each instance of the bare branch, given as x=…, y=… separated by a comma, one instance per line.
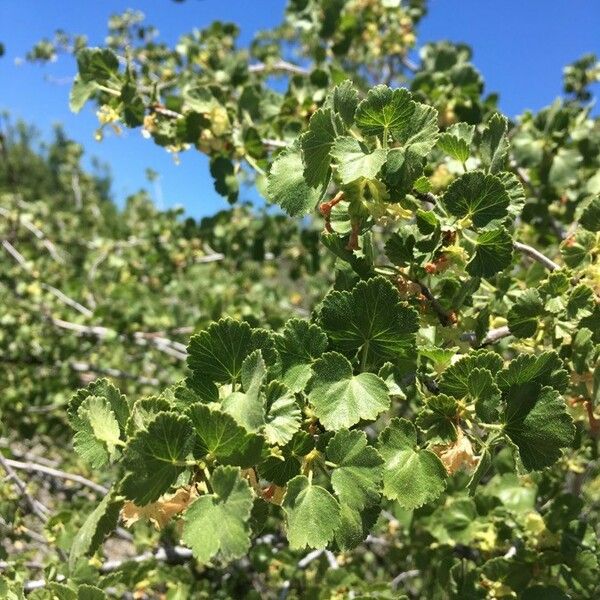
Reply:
x=275, y=143
x=169, y=555
x=279, y=65
x=409, y=64
x=32, y=467
x=15, y=254
x=37, y=507
x=403, y=576
x=209, y=258
x=83, y=367
x=84, y=310
x=39, y=234
x=493, y=335
x=536, y=255
x=170, y=347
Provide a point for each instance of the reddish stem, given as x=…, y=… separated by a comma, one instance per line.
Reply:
x=325, y=209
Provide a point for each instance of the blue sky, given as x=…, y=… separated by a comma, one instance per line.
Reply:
x=520, y=46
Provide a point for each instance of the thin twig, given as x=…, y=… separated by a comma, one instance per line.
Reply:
x=37, y=507
x=171, y=555
x=536, y=255
x=15, y=254
x=279, y=65
x=84, y=310
x=493, y=335
x=39, y=234
x=409, y=64
x=83, y=367
x=403, y=576
x=32, y=467
x=275, y=143
x=170, y=347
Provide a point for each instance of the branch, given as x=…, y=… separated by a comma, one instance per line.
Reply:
x=39, y=234
x=36, y=584
x=83, y=367
x=493, y=335
x=536, y=255
x=15, y=254
x=279, y=65
x=523, y=248
x=409, y=64
x=209, y=258
x=37, y=507
x=169, y=555
x=172, y=348
x=403, y=576
x=445, y=318
x=84, y=310
x=32, y=467
x=22, y=261
x=275, y=143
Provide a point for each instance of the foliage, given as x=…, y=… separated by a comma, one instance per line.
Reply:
x=427, y=427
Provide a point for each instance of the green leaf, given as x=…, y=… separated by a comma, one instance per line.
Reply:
x=353, y=162
x=155, y=457
x=455, y=379
x=97, y=64
x=515, y=192
x=494, y=144
x=98, y=414
x=383, y=111
x=411, y=476
x=199, y=99
x=483, y=466
x=356, y=478
x=387, y=112
x=341, y=399
x=525, y=313
x=354, y=527
x=370, y=319
x=456, y=141
x=283, y=416
x=99, y=523
x=316, y=145
x=80, y=93
x=478, y=196
x=299, y=344
x=544, y=592
x=218, y=523
x=217, y=435
x=133, y=105
x=312, y=514
x=102, y=388
x=590, y=216
x=97, y=433
x=402, y=169
x=217, y=353
x=438, y=419
x=486, y=394
x=563, y=172
x=287, y=186
x=90, y=592
x=143, y=412
x=283, y=465
x=577, y=250
x=248, y=407
x=543, y=369
x=539, y=426
x=225, y=179
x=493, y=253
x=345, y=101
x=400, y=247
